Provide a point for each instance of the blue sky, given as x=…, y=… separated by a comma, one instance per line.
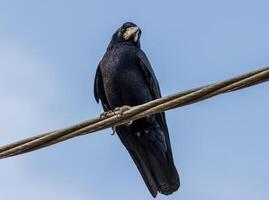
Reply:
x=49, y=51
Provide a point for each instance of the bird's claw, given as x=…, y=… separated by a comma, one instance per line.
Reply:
x=129, y=123
x=114, y=130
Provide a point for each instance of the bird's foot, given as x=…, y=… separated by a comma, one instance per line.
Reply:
x=118, y=111
x=107, y=114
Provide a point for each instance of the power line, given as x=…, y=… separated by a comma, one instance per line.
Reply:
x=136, y=112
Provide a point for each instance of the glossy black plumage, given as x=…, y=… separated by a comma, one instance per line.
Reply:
x=124, y=76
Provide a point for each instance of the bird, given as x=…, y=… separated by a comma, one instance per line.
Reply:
x=124, y=77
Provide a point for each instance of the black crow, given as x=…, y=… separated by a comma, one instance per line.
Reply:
x=124, y=76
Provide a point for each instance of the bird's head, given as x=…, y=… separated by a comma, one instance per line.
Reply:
x=128, y=32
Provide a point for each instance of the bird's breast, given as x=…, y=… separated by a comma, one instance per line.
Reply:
x=121, y=76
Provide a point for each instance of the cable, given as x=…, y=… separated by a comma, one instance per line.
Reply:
x=136, y=112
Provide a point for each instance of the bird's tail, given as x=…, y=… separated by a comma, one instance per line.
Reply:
x=156, y=166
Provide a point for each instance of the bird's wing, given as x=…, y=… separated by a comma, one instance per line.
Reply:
x=150, y=75
x=99, y=92
x=156, y=93
x=151, y=152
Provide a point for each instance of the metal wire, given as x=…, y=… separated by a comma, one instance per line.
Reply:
x=140, y=111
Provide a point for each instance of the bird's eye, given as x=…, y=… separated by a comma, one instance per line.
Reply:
x=122, y=30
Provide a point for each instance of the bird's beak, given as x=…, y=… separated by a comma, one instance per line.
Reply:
x=131, y=31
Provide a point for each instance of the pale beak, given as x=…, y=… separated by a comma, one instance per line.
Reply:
x=131, y=31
